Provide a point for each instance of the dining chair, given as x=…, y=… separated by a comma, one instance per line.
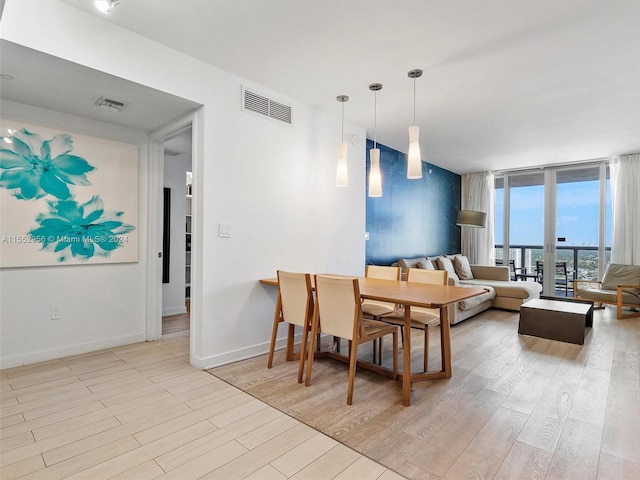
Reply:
x=421, y=317
x=377, y=308
x=338, y=312
x=295, y=299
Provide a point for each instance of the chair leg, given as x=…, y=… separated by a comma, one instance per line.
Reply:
x=303, y=347
x=314, y=332
x=380, y=350
x=274, y=330
x=395, y=354
x=353, y=354
x=426, y=348
x=374, y=350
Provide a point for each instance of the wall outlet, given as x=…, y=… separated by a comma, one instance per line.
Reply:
x=56, y=312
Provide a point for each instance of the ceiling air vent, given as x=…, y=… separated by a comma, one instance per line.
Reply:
x=111, y=105
x=266, y=107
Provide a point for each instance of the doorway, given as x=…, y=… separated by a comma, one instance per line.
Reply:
x=178, y=187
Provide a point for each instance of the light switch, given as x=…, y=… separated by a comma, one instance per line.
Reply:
x=224, y=230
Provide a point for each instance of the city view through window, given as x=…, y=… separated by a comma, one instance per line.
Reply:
x=577, y=224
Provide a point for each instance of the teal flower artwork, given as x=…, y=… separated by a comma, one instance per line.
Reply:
x=84, y=230
x=32, y=167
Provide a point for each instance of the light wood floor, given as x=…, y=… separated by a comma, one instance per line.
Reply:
x=517, y=407
x=175, y=323
x=141, y=412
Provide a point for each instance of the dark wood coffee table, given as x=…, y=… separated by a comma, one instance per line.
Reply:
x=556, y=319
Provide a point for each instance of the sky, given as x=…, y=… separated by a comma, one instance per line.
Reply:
x=576, y=215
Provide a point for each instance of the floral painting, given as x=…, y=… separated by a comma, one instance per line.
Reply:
x=66, y=198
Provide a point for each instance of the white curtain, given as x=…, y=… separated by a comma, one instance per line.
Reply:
x=625, y=203
x=478, y=194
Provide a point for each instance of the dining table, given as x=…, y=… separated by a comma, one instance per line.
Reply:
x=412, y=294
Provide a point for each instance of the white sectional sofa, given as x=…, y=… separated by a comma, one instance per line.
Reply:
x=501, y=291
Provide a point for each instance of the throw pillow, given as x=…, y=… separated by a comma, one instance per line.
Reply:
x=410, y=262
x=462, y=267
x=426, y=264
x=445, y=264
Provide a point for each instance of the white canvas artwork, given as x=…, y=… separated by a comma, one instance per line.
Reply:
x=66, y=198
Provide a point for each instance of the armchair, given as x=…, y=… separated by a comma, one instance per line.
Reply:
x=620, y=286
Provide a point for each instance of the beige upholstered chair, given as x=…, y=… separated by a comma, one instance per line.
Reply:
x=295, y=299
x=421, y=317
x=376, y=308
x=620, y=286
x=338, y=312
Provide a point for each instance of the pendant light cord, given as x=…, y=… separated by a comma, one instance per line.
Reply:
x=414, y=101
x=375, y=117
x=343, y=122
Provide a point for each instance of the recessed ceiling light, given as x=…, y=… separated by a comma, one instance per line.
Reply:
x=105, y=6
x=6, y=76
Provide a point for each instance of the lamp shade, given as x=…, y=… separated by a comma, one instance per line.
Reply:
x=342, y=173
x=375, y=179
x=471, y=218
x=414, y=163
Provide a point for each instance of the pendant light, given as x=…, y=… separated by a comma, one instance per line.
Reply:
x=414, y=162
x=342, y=173
x=375, y=179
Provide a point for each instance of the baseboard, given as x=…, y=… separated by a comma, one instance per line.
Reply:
x=240, y=354
x=67, y=351
x=174, y=310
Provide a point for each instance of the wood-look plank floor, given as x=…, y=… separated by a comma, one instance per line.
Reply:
x=142, y=412
x=175, y=323
x=517, y=407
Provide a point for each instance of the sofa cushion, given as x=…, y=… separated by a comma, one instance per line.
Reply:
x=473, y=302
x=445, y=263
x=426, y=264
x=411, y=262
x=593, y=292
x=618, y=274
x=490, y=272
x=462, y=267
x=521, y=290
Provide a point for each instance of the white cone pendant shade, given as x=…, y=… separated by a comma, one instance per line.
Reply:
x=342, y=172
x=375, y=179
x=414, y=162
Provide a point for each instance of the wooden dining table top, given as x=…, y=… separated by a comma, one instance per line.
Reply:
x=406, y=293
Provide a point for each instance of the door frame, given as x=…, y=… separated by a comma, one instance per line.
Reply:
x=154, y=247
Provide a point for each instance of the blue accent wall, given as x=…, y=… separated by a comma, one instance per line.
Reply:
x=413, y=217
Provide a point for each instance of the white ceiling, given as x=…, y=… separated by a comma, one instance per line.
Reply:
x=55, y=84
x=506, y=83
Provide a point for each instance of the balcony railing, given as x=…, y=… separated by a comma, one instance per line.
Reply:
x=582, y=261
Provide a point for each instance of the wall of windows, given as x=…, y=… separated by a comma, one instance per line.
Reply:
x=557, y=216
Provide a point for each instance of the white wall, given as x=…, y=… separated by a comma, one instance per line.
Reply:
x=101, y=304
x=274, y=183
x=173, y=293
